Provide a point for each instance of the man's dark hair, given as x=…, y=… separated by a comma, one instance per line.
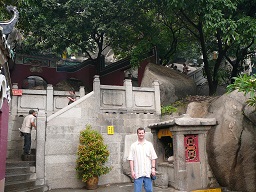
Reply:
x=31, y=111
x=140, y=128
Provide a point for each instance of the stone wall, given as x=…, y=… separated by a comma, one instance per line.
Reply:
x=49, y=101
x=124, y=107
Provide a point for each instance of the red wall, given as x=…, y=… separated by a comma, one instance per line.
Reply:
x=4, y=116
x=21, y=71
x=114, y=78
x=51, y=76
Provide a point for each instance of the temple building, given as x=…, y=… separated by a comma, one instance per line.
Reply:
x=6, y=60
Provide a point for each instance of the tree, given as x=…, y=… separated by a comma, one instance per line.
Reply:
x=151, y=26
x=83, y=25
x=217, y=26
x=244, y=44
x=133, y=27
x=130, y=27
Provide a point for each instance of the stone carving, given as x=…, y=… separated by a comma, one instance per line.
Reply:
x=9, y=25
x=8, y=29
x=36, y=69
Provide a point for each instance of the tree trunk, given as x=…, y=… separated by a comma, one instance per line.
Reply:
x=234, y=72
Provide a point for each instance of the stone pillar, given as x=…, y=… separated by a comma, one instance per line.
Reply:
x=40, y=147
x=128, y=94
x=190, y=158
x=157, y=97
x=49, y=100
x=96, y=89
x=81, y=91
x=14, y=101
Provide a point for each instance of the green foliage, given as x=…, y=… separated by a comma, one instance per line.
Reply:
x=92, y=155
x=132, y=28
x=83, y=25
x=246, y=84
x=167, y=110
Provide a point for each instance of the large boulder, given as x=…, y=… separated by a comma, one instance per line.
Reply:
x=173, y=84
x=231, y=145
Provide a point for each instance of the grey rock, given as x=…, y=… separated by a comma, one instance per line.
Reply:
x=173, y=84
x=231, y=145
x=197, y=109
x=250, y=113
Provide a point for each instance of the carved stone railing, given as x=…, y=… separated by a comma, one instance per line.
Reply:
x=49, y=100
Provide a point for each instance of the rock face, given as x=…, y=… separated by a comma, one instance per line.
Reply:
x=231, y=145
x=197, y=109
x=173, y=84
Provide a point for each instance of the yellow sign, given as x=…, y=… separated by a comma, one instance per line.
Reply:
x=164, y=133
x=111, y=130
x=208, y=190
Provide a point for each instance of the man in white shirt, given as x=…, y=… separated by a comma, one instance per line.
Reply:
x=27, y=125
x=142, y=157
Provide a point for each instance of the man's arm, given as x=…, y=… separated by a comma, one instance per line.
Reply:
x=33, y=124
x=72, y=99
x=132, y=169
x=153, y=167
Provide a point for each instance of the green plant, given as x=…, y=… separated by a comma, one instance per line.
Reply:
x=92, y=155
x=167, y=110
x=246, y=84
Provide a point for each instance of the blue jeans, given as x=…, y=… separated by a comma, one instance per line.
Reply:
x=27, y=143
x=147, y=184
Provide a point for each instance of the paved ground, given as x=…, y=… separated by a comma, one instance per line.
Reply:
x=126, y=187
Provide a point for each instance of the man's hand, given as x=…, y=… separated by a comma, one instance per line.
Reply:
x=133, y=174
x=153, y=171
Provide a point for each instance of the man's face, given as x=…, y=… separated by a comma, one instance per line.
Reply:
x=141, y=134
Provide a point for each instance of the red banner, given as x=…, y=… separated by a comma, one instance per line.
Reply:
x=17, y=92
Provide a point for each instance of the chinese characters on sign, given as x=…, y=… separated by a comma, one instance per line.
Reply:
x=17, y=92
x=191, y=148
x=110, y=130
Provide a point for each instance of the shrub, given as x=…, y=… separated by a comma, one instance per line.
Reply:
x=92, y=155
x=167, y=110
x=246, y=84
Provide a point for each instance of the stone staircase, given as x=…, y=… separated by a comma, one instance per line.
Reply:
x=21, y=176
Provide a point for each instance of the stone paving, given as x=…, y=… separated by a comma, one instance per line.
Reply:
x=125, y=187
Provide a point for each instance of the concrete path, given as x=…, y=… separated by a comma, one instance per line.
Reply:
x=125, y=187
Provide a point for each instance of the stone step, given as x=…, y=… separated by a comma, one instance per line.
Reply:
x=32, y=189
x=10, y=163
x=19, y=185
x=29, y=189
x=17, y=170
x=19, y=177
x=30, y=157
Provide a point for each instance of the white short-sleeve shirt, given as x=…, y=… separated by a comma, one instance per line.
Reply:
x=26, y=125
x=142, y=154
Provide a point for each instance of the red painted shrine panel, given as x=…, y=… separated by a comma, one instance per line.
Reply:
x=191, y=148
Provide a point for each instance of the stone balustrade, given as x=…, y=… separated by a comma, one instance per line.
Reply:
x=125, y=108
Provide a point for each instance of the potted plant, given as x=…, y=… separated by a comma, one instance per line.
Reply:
x=92, y=156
